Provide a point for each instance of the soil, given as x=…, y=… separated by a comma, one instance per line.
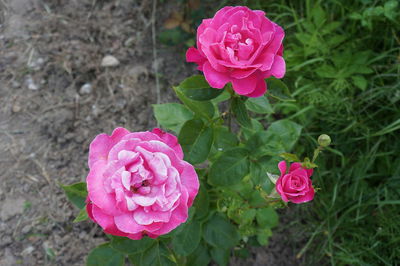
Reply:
x=55, y=96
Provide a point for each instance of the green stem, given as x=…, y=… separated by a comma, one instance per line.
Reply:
x=316, y=153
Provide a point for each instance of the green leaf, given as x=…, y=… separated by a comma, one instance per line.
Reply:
x=188, y=239
x=224, y=139
x=194, y=82
x=259, y=105
x=289, y=157
x=104, y=255
x=269, y=163
x=256, y=200
x=197, y=88
x=326, y=71
x=172, y=115
x=76, y=193
x=244, y=188
x=263, y=236
x=247, y=216
x=265, y=143
x=229, y=168
x=360, y=82
x=363, y=70
x=82, y=216
x=318, y=16
x=267, y=217
x=219, y=232
x=225, y=95
x=287, y=131
x=278, y=90
x=202, y=203
x=308, y=164
x=156, y=255
x=202, y=109
x=220, y=255
x=129, y=246
x=242, y=253
x=240, y=112
x=196, y=139
x=199, y=257
x=256, y=126
x=256, y=173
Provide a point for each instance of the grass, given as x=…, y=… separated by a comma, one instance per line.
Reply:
x=345, y=76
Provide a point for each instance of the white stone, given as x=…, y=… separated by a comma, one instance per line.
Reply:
x=86, y=88
x=109, y=61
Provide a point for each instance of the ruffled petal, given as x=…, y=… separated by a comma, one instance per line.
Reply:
x=190, y=181
x=305, y=198
x=101, y=145
x=282, y=167
x=106, y=222
x=97, y=192
x=246, y=85
x=193, y=55
x=214, y=78
x=170, y=140
x=278, y=68
x=260, y=89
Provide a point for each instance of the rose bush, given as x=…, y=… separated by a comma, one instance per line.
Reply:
x=241, y=46
x=296, y=185
x=138, y=183
x=141, y=184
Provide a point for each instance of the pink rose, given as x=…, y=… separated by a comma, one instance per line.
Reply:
x=138, y=183
x=241, y=46
x=295, y=186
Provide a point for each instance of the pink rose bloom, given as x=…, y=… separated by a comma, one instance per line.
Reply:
x=138, y=183
x=241, y=46
x=295, y=186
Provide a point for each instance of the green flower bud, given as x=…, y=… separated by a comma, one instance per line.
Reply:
x=324, y=140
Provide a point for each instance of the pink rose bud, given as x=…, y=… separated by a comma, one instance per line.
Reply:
x=296, y=185
x=138, y=183
x=241, y=46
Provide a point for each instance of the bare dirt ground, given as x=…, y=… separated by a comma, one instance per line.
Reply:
x=55, y=97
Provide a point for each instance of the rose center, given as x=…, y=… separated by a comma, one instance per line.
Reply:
x=238, y=45
x=136, y=187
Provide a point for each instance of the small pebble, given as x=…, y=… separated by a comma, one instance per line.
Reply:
x=16, y=108
x=31, y=84
x=86, y=88
x=109, y=61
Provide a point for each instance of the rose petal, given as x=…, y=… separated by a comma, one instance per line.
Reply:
x=190, y=181
x=101, y=145
x=170, y=140
x=260, y=89
x=96, y=191
x=282, y=167
x=106, y=222
x=246, y=85
x=178, y=216
x=193, y=55
x=214, y=78
x=126, y=223
x=146, y=218
x=278, y=68
x=307, y=197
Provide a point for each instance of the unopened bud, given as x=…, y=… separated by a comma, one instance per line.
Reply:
x=324, y=140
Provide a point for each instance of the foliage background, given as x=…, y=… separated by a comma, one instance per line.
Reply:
x=343, y=70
